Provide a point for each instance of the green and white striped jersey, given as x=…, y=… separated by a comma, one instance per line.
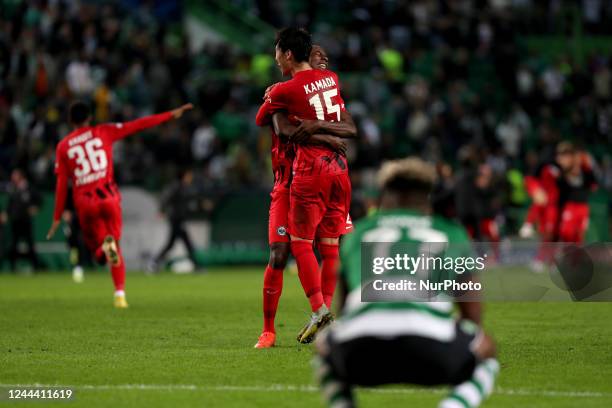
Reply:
x=389, y=319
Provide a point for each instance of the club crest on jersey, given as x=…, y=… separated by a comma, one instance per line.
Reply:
x=282, y=231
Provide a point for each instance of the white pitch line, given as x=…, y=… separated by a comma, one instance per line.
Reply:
x=302, y=388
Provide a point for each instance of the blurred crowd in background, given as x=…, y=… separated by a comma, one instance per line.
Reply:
x=441, y=79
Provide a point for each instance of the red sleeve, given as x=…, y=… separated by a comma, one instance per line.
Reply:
x=61, y=188
x=549, y=178
x=532, y=184
x=276, y=102
x=118, y=131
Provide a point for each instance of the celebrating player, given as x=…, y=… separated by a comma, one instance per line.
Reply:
x=85, y=157
x=575, y=186
x=560, y=201
x=391, y=342
x=320, y=187
x=282, y=161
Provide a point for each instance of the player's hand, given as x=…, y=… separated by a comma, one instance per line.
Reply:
x=3, y=217
x=338, y=145
x=178, y=112
x=268, y=90
x=53, y=229
x=304, y=131
x=539, y=197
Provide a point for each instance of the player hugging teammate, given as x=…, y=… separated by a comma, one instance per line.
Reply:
x=311, y=195
x=560, y=191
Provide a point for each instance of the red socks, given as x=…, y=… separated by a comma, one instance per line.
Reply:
x=329, y=273
x=118, y=273
x=272, y=288
x=308, y=272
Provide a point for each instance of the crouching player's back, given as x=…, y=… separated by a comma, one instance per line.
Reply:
x=404, y=342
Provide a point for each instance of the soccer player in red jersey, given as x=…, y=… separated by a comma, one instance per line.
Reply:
x=575, y=186
x=320, y=189
x=283, y=154
x=85, y=157
x=550, y=192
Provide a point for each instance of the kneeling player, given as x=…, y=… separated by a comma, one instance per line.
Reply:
x=415, y=343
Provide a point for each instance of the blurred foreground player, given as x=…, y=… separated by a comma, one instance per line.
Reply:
x=320, y=187
x=393, y=342
x=85, y=157
x=283, y=153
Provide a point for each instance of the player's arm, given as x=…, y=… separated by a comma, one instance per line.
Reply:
x=283, y=128
x=345, y=129
x=121, y=130
x=274, y=102
x=61, y=191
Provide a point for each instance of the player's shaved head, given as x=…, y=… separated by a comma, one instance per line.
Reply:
x=79, y=113
x=296, y=40
x=406, y=183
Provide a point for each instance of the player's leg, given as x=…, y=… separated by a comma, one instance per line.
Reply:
x=272, y=289
x=111, y=214
x=169, y=244
x=184, y=236
x=278, y=239
x=490, y=231
x=472, y=392
x=305, y=213
x=29, y=238
x=336, y=391
x=548, y=234
x=335, y=223
x=330, y=254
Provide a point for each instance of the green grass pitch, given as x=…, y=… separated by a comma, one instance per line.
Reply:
x=188, y=341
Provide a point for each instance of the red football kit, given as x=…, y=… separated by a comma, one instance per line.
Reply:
x=320, y=190
x=85, y=157
x=574, y=191
x=546, y=216
x=320, y=187
x=282, y=163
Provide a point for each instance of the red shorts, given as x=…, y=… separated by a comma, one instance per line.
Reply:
x=319, y=206
x=574, y=222
x=98, y=218
x=546, y=218
x=279, y=213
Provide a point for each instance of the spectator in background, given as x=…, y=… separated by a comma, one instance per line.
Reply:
x=23, y=204
x=175, y=204
x=443, y=194
x=487, y=209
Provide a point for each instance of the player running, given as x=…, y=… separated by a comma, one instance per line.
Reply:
x=85, y=157
x=320, y=187
x=392, y=342
x=283, y=153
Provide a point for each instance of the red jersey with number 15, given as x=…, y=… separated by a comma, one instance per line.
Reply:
x=312, y=94
x=85, y=157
